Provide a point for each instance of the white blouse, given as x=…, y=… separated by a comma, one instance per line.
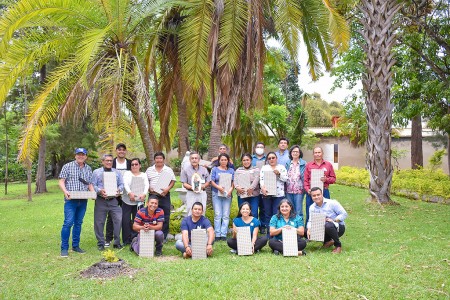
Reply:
x=127, y=177
x=280, y=179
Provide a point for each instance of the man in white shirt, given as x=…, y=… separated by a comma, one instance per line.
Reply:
x=153, y=174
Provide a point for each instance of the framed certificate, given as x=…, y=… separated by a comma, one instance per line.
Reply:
x=317, y=230
x=316, y=174
x=137, y=186
x=243, y=181
x=270, y=182
x=110, y=183
x=146, y=243
x=198, y=243
x=225, y=182
x=163, y=181
x=82, y=195
x=244, y=241
x=290, y=246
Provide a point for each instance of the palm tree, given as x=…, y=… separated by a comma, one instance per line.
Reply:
x=379, y=35
x=99, y=48
x=222, y=48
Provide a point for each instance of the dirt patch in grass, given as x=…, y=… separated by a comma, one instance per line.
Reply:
x=106, y=270
x=168, y=258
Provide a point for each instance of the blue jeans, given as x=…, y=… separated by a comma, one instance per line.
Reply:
x=74, y=211
x=221, y=207
x=270, y=208
x=297, y=201
x=254, y=202
x=309, y=202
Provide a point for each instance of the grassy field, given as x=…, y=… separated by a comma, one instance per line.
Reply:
x=394, y=252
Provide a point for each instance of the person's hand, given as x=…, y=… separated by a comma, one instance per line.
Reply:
x=264, y=191
x=189, y=251
x=209, y=250
x=250, y=192
x=229, y=194
x=132, y=196
x=276, y=172
x=329, y=220
x=221, y=189
x=103, y=193
x=67, y=195
x=146, y=227
x=142, y=197
x=117, y=193
x=240, y=190
x=308, y=234
x=323, y=178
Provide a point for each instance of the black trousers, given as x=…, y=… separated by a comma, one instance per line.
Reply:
x=110, y=224
x=275, y=244
x=165, y=204
x=331, y=233
x=259, y=243
x=128, y=215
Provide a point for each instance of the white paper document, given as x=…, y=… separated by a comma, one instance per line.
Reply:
x=198, y=243
x=244, y=241
x=317, y=229
x=163, y=181
x=146, y=243
x=316, y=174
x=270, y=182
x=110, y=183
x=290, y=246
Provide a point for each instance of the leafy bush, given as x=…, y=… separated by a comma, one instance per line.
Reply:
x=424, y=184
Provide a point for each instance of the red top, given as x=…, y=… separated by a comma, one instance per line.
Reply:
x=329, y=174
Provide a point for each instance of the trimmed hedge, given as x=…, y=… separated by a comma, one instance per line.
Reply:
x=423, y=184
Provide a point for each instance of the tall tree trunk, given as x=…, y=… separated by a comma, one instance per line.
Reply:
x=144, y=130
x=379, y=36
x=183, y=122
x=29, y=179
x=215, y=137
x=41, y=185
x=416, y=142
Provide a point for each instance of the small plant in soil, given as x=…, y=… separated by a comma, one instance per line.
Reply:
x=110, y=256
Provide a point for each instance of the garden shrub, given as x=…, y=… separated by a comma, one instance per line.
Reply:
x=423, y=184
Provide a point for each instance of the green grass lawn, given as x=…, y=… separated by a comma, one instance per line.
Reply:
x=394, y=252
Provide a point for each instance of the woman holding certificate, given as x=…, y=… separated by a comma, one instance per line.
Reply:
x=222, y=186
x=286, y=218
x=136, y=185
x=246, y=183
x=296, y=170
x=271, y=180
x=243, y=219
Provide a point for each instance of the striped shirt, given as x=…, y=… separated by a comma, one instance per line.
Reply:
x=143, y=217
x=153, y=175
x=76, y=178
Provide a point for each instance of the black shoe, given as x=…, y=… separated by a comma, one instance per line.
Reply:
x=158, y=253
x=101, y=248
x=118, y=246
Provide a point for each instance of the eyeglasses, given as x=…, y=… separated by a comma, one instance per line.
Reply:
x=134, y=165
x=295, y=151
x=108, y=160
x=272, y=157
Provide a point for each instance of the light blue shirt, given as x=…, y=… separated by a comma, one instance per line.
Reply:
x=331, y=208
x=97, y=179
x=282, y=159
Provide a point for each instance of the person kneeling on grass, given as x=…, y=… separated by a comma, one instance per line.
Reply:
x=149, y=218
x=245, y=218
x=335, y=216
x=286, y=218
x=195, y=221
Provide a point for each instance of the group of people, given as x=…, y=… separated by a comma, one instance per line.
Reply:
x=119, y=210
x=276, y=210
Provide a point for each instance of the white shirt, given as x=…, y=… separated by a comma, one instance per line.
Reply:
x=281, y=179
x=153, y=175
x=127, y=178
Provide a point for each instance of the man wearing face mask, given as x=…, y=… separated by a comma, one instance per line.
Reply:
x=258, y=160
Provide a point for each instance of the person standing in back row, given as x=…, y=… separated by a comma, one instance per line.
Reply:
x=328, y=178
x=121, y=164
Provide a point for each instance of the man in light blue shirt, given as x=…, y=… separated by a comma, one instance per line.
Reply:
x=105, y=203
x=283, y=152
x=334, y=222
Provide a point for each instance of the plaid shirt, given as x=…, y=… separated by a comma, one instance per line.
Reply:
x=76, y=178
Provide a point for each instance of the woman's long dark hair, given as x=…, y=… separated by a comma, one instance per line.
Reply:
x=239, y=215
x=267, y=156
x=292, y=213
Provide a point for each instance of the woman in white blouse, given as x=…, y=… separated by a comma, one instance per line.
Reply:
x=272, y=192
x=131, y=197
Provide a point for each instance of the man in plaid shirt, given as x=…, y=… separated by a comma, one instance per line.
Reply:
x=75, y=176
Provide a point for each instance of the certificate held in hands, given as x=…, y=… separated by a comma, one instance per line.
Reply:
x=198, y=243
x=110, y=183
x=290, y=246
x=225, y=182
x=270, y=183
x=137, y=187
x=316, y=174
x=163, y=181
x=243, y=181
x=244, y=241
x=317, y=230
